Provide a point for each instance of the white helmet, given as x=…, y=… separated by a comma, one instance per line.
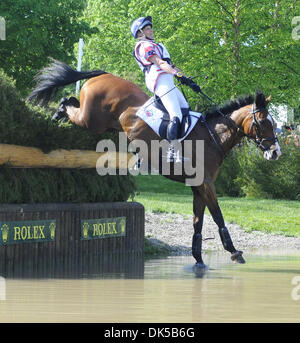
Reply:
x=139, y=24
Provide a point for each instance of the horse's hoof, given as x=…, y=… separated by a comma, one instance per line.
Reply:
x=63, y=101
x=200, y=265
x=58, y=116
x=62, y=105
x=200, y=269
x=64, y=119
x=237, y=257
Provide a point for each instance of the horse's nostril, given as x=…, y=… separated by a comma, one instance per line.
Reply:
x=274, y=155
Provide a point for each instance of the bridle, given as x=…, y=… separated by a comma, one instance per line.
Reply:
x=259, y=140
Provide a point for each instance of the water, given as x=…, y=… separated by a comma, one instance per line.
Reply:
x=167, y=290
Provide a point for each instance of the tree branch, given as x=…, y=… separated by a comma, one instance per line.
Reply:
x=225, y=9
x=290, y=9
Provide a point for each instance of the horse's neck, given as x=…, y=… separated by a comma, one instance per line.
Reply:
x=239, y=116
x=231, y=131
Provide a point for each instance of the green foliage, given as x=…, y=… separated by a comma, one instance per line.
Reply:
x=36, y=30
x=270, y=179
x=246, y=173
x=61, y=185
x=22, y=124
x=225, y=40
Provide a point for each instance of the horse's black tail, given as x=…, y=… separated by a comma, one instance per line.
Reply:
x=58, y=74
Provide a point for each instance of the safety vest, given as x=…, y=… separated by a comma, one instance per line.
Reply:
x=160, y=50
x=151, y=70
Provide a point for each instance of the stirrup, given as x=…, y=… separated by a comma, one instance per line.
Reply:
x=138, y=162
x=178, y=158
x=174, y=157
x=171, y=155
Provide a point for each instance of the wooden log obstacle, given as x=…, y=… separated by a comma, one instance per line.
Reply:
x=67, y=239
x=16, y=156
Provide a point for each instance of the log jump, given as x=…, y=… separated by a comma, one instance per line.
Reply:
x=16, y=156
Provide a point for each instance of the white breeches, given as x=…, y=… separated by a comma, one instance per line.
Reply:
x=170, y=95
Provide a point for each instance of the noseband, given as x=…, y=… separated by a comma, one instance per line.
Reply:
x=259, y=140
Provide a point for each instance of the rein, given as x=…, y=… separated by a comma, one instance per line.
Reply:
x=258, y=140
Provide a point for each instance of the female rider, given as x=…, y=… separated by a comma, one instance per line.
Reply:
x=154, y=60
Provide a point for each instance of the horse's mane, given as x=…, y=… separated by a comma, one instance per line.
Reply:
x=230, y=106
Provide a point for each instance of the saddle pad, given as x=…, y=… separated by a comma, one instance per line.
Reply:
x=154, y=117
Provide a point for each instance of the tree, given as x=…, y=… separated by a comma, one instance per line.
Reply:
x=35, y=30
x=240, y=45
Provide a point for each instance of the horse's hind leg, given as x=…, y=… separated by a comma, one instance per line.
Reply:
x=69, y=109
x=61, y=112
x=214, y=209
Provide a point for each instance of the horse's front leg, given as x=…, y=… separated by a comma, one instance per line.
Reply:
x=215, y=211
x=198, y=209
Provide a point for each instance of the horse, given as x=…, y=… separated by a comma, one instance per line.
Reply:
x=110, y=102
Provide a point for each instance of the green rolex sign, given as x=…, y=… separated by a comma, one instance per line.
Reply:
x=27, y=231
x=103, y=228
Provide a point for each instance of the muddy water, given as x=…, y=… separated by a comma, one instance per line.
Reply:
x=168, y=291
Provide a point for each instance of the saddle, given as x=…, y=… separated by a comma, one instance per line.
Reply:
x=154, y=113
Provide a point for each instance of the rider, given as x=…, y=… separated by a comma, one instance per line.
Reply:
x=154, y=60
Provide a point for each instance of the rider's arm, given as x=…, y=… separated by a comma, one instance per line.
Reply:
x=165, y=66
x=162, y=64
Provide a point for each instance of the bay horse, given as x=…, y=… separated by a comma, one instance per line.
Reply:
x=110, y=102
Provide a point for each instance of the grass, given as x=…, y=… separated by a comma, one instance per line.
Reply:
x=159, y=194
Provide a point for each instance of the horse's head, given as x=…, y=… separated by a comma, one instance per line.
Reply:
x=260, y=127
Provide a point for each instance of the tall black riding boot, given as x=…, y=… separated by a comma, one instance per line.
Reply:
x=173, y=129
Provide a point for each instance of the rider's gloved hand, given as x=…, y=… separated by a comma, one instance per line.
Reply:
x=185, y=80
x=182, y=78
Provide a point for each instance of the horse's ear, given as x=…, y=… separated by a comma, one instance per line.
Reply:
x=260, y=100
x=268, y=99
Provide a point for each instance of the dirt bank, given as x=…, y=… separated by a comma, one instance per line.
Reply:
x=176, y=231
